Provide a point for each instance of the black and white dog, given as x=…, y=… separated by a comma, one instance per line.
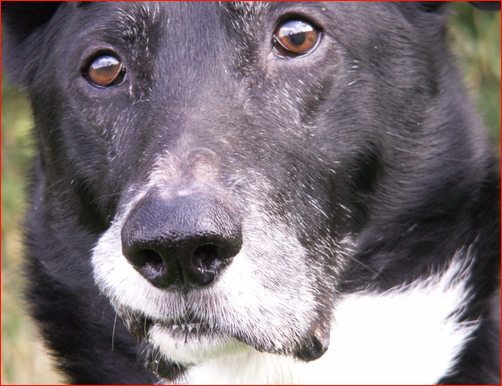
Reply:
x=256, y=193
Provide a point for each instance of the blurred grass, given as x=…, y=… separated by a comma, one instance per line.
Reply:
x=475, y=36
x=24, y=361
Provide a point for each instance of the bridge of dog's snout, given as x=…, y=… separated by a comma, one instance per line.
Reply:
x=181, y=241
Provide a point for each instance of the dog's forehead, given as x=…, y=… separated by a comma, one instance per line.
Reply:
x=185, y=9
x=178, y=11
x=207, y=12
x=198, y=22
x=176, y=23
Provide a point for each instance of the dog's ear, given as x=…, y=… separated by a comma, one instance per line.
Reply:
x=433, y=6
x=487, y=5
x=22, y=18
x=23, y=22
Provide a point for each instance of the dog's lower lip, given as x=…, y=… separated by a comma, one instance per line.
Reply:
x=190, y=327
x=193, y=328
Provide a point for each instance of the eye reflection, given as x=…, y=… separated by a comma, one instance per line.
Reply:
x=295, y=38
x=105, y=70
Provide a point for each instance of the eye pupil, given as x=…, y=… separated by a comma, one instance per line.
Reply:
x=295, y=38
x=105, y=70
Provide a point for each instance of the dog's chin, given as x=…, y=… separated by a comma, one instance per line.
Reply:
x=172, y=348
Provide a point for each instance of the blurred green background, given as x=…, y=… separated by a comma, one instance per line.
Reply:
x=475, y=37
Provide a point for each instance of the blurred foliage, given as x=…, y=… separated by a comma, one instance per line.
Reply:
x=24, y=361
x=475, y=40
x=475, y=36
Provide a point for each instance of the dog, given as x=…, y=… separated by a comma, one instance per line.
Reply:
x=243, y=192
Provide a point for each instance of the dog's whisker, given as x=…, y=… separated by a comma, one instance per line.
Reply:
x=377, y=274
x=113, y=331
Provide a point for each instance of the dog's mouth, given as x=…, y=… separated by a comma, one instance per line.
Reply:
x=189, y=331
x=183, y=329
x=173, y=346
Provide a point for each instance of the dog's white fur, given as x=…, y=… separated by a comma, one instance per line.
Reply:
x=411, y=334
x=408, y=335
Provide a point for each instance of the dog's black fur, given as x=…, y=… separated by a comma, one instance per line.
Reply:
x=370, y=135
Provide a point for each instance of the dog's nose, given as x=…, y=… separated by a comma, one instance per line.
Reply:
x=180, y=242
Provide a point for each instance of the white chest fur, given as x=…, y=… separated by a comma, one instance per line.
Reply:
x=409, y=335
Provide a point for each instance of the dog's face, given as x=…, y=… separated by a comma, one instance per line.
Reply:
x=228, y=154
x=229, y=227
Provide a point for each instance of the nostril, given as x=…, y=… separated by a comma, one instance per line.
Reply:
x=205, y=256
x=149, y=262
x=152, y=259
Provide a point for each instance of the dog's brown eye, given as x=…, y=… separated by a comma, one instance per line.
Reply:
x=105, y=70
x=295, y=38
